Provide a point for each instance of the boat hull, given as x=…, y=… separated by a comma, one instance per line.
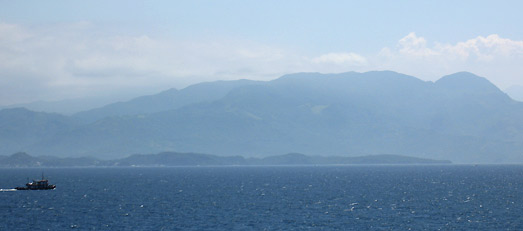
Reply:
x=34, y=188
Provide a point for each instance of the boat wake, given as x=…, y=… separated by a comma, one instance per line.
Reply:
x=7, y=189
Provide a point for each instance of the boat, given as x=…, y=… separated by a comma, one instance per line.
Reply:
x=42, y=184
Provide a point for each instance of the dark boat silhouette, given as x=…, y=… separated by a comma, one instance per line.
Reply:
x=42, y=184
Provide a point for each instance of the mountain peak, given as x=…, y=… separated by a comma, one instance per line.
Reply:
x=465, y=80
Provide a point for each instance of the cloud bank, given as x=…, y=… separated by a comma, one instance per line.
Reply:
x=492, y=56
x=80, y=60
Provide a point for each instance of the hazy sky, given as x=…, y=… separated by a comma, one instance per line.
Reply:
x=51, y=50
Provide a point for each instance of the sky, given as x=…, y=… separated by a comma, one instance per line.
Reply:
x=55, y=50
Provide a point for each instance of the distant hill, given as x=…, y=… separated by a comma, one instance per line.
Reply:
x=22, y=159
x=65, y=107
x=196, y=159
x=19, y=159
x=461, y=117
x=21, y=128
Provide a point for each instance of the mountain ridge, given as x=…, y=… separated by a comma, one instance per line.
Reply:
x=165, y=100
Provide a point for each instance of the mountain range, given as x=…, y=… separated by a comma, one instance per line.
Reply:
x=461, y=117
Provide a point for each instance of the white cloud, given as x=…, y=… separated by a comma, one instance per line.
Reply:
x=12, y=33
x=81, y=60
x=66, y=61
x=479, y=48
x=485, y=48
x=350, y=59
x=494, y=57
x=415, y=46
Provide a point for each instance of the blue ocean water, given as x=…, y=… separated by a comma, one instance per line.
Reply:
x=449, y=197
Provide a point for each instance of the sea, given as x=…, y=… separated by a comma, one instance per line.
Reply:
x=357, y=197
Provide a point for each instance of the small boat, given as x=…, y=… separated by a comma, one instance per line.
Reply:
x=42, y=184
